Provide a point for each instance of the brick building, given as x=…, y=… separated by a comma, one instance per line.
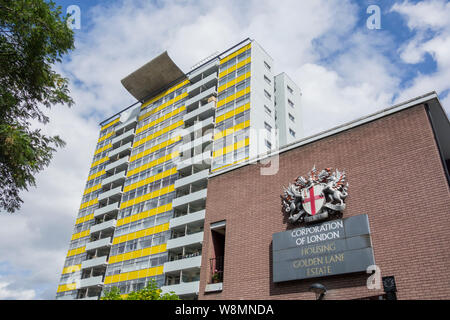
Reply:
x=397, y=166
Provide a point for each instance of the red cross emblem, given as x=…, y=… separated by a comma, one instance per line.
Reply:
x=313, y=199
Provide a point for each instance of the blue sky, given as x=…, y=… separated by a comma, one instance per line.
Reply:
x=344, y=69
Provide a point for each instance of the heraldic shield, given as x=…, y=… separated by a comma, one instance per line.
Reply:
x=313, y=198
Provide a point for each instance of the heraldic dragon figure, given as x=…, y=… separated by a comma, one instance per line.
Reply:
x=325, y=191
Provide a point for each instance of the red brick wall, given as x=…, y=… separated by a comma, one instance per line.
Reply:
x=395, y=176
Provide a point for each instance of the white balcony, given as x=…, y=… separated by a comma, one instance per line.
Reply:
x=96, y=262
x=192, y=197
x=207, y=68
x=130, y=123
x=106, y=242
x=120, y=150
x=91, y=282
x=207, y=81
x=182, y=288
x=201, y=160
x=184, y=241
x=115, y=193
x=199, y=126
x=181, y=264
x=117, y=178
x=205, y=94
x=120, y=165
x=201, y=113
x=112, y=208
x=126, y=137
x=202, y=175
x=199, y=143
x=186, y=219
x=110, y=224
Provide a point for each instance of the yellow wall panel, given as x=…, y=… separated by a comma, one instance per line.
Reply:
x=110, y=124
x=84, y=219
x=232, y=113
x=144, y=214
x=235, y=67
x=96, y=175
x=106, y=136
x=164, y=105
x=153, y=163
x=155, y=148
x=151, y=179
x=67, y=287
x=91, y=189
x=161, y=119
x=158, y=133
x=230, y=164
x=236, y=53
x=81, y=234
x=233, y=82
x=233, y=97
x=100, y=161
x=240, y=144
x=159, y=96
x=134, y=275
x=89, y=203
x=147, y=196
x=71, y=269
x=141, y=233
x=76, y=251
x=231, y=130
x=103, y=149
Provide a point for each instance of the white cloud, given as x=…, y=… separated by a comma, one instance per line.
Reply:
x=430, y=22
x=12, y=294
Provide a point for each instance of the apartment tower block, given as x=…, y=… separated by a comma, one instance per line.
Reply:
x=143, y=208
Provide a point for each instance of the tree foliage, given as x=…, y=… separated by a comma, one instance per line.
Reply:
x=33, y=37
x=150, y=292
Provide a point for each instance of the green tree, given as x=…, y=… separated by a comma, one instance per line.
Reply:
x=33, y=37
x=150, y=292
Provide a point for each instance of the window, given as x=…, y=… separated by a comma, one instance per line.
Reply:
x=291, y=117
x=268, y=144
x=267, y=126
x=267, y=79
x=290, y=89
x=268, y=96
x=267, y=65
x=267, y=109
x=291, y=103
x=292, y=132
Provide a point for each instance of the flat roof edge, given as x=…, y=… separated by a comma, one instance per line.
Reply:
x=335, y=130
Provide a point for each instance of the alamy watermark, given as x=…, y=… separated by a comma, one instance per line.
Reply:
x=374, y=20
x=74, y=20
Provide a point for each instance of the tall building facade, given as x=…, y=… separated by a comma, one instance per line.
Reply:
x=143, y=209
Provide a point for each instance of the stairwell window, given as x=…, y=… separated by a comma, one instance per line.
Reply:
x=267, y=65
x=290, y=90
x=268, y=96
x=291, y=117
x=292, y=132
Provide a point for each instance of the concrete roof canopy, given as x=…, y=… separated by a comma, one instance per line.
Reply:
x=152, y=77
